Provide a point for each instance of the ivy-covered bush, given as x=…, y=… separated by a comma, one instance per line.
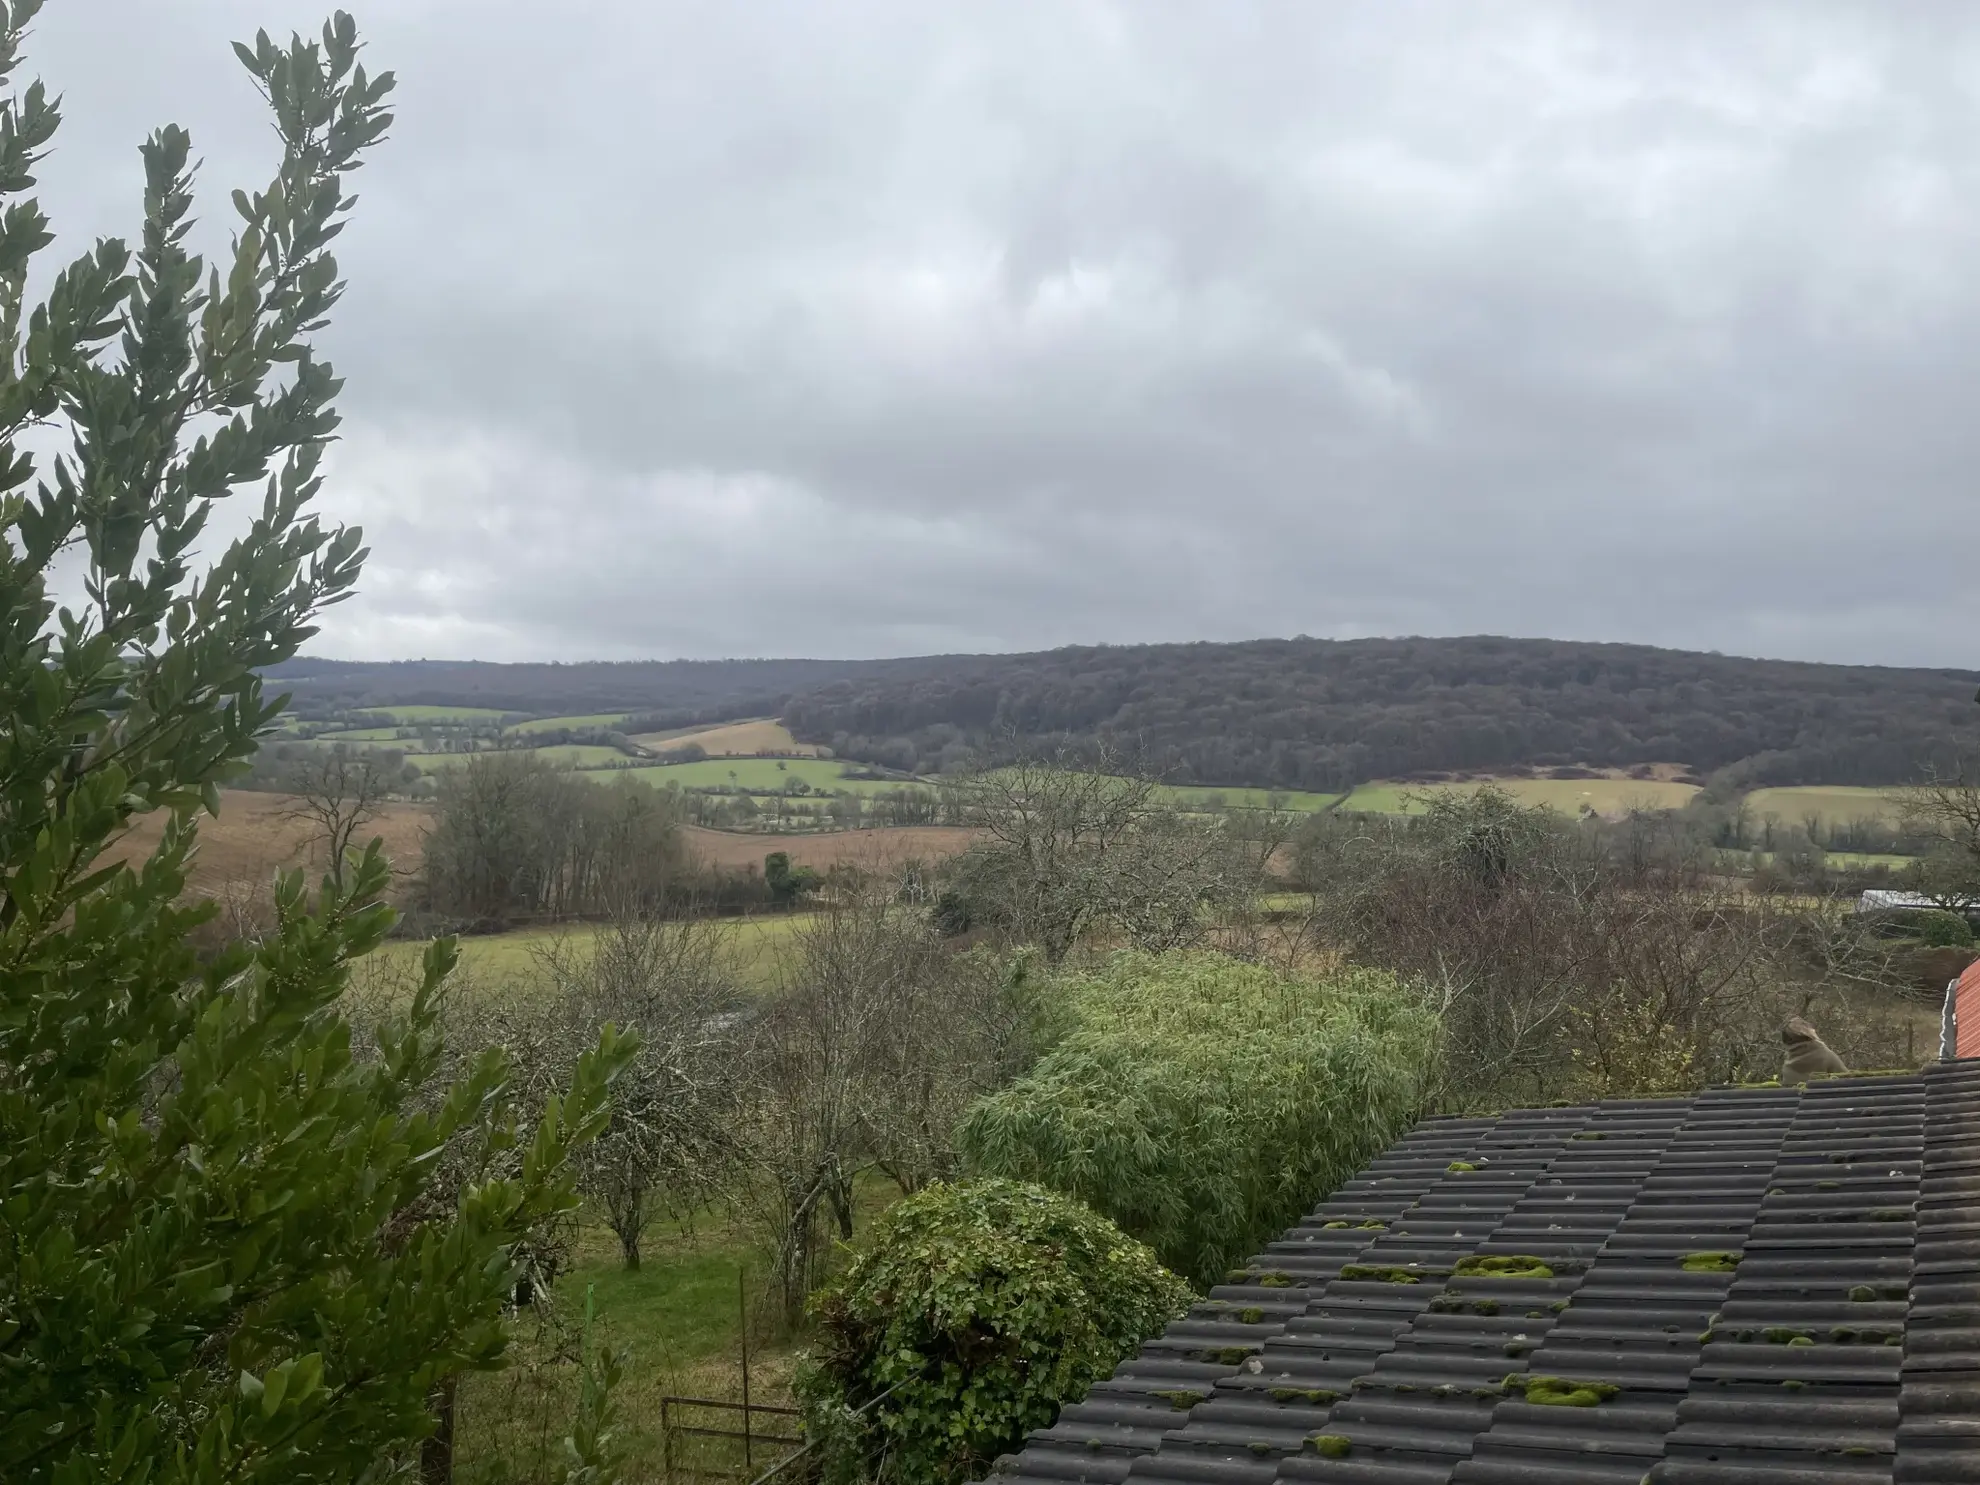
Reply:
x=979, y=1310
x=1205, y=1104
x=1936, y=928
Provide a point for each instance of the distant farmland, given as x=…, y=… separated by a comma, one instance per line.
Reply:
x=1570, y=796
x=606, y=720
x=733, y=740
x=1835, y=805
x=766, y=775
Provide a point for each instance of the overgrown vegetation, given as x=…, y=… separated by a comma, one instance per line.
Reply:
x=1203, y=1103
x=979, y=1309
x=1569, y=959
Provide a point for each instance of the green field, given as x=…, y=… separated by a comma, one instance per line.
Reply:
x=767, y=774
x=553, y=724
x=1604, y=796
x=362, y=734
x=1834, y=803
x=496, y=962
x=413, y=715
x=569, y=755
x=1202, y=796
x=1837, y=860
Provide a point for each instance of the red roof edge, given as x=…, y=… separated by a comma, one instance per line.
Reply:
x=1964, y=1002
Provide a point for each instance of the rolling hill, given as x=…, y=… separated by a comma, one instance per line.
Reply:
x=1309, y=714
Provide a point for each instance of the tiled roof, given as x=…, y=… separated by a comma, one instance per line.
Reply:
x=1765, y=1286
x=1966, y=1010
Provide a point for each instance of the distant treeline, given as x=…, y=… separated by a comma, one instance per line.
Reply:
x=1320, y=714
x=664, y=693
x=1292, y=714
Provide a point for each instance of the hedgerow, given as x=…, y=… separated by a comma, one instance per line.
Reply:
x=1204, y=1104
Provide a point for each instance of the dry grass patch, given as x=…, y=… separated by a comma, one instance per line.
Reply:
x=734, y=740
x=249, y=841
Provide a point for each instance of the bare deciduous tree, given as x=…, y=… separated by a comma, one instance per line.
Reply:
x=1567, y=960
x=1071, y=847
x=1943, y=812
x=864, y=1059
x=338, y=791
x=671, y=1138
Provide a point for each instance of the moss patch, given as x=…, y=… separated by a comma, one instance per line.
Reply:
x=1504, y=1266
x=1318, y=1397
x=1227, y=1355
x=1709, y=1263
x=1330, y=1445
x=1567, y=1392
x=1382, y=1273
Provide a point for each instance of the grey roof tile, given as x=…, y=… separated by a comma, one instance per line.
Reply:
x=1839, y=1345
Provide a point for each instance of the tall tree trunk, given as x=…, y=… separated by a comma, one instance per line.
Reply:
x=436, y=1453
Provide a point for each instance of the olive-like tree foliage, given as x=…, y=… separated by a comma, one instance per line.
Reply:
x=1204, y=1103
x=220, y=1256
x=977, y=1311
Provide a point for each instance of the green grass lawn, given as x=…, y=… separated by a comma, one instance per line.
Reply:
x=1834, y=803
x=1605, y=796
x=499, y=962
x=553, y=724
x=822, y=774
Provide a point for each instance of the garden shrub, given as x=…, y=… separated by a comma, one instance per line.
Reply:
x=1937, y=928
x=985, y=1306
x=1205, y=1104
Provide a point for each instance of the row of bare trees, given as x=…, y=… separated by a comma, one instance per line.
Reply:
x=769, y=1104
x=515, y=837
x=1068, y=855
x=1575, y=959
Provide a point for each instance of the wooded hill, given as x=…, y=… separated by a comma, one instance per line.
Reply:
x=1297, y=714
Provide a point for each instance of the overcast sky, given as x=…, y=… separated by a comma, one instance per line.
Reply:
x=848, y=329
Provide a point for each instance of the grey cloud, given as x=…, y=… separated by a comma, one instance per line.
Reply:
x=859, y=328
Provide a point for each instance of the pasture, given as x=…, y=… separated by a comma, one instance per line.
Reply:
x=575, y=756
x=768, y=775
x=733, y=740
x=367, y=735
x=1608, y=797
x=573, y=724
x=753, y=948
x=412, y=716
x=1833, y=803
x=1207, y=796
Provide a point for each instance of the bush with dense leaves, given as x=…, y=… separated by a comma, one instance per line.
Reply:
x=1204, y=1103
x=980, y=1310
x=1936, y=928
x=227, y=1253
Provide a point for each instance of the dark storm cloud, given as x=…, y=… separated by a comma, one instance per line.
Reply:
x=881, y=328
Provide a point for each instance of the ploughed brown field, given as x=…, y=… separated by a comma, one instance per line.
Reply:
x=250, y=840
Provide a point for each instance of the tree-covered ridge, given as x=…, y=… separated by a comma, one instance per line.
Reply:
x=1292, y=714
x=1327, y=714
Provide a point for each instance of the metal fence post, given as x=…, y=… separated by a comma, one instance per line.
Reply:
x=742, y=1312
